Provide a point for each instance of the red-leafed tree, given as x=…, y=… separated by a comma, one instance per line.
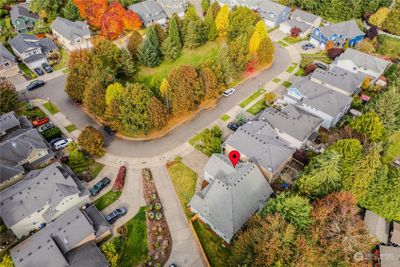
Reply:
x=120, y=180
x=295, y=32
x=334, y=52
x=92, y=10
x=310, y=68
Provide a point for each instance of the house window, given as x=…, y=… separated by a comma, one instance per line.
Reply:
x=271, y=14
x=6, y=64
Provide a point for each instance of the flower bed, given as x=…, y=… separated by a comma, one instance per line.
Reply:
x=159, y=237
x=120, y=180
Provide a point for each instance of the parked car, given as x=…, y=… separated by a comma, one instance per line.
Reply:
x=47, y=67
x=113, y=216
x=308, y=46
x=229, y=92
x=35, y=84
x=38, y=71
x=55, y=140
x=321, y=66
x=108, y=130
x=64, y=142
x=39, y=121
x=99, y=186
x=233, y=126
x=45, y=127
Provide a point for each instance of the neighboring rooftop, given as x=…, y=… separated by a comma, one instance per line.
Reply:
x=218, y=165
x=5, y=54
x=230, y=199
x=267, y=8
x=173, y=6
x=88, y=255
x=22, y=10
x=44, y=188
x=149, y=11
x=298, y=24
x=389, y=256
x=304, y=16
x=23, y=42
x=340, y=78
x=8, y=121
x=70, y=29
x=395, y=236
x=291, y=121
x=363, y=60
x=259, y=142
x=377, y=226
x=348, y=28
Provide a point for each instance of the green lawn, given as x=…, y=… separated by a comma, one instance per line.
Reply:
x=216, y=250
x=107, y=199
x=293, y=40
x=35, y=112
x=64, y=60
x=319, y=56
x=393, y=149
x=184, y=180
x=26, y=71
x=286, y=84
x=195, y=139
x=300, y=72
x=257, y=107
x=95, y=168
x=252, y=97
x=189, y=56
x=225, y=117
x=51, y=107
x=70, y=128
x=282, y=43
x=276, y=80
x=291, y=67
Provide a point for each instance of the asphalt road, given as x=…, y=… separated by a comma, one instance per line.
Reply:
x=54, y=90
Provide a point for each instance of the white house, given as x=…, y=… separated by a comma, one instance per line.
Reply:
x=300, y=19
x=273, y=13
x=362, y=63
x=41, y=197
x=173, y=6
x=72, y=34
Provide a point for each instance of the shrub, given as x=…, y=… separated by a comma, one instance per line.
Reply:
x=295, y=32
x=151, y=215
x=159, y=216
x=120, y=180
x=334, y=52
x=92, y=141
x=310, y=68
x=157, y=206
x=52, y=133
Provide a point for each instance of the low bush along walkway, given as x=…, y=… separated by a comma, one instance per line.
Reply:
x=116, y=191
x=159, y=236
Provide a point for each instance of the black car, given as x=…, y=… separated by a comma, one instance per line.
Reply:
x=99, y=186
x=38, y=71
x=321, y=66
x=108, y=130
x=47, y=67
x=113, y=216
x=35, y=84
x=233, y=126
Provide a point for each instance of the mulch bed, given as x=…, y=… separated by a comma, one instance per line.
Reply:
x=159, y=240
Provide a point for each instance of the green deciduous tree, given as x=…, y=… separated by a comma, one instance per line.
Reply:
x=242, y=22
x=113, y=91
x=211, y=140
x=379, y=17
x=41, y=26
x=8, y=96
x=91, y=141
x=71, y=11
x=157, y=113
x=239, y=52
x=205, y=4
x=94, y=98
x=226, y=63
x=172, y=46
x=392, y=22
x=77, y=160
x=46, y=8
x=209, y=82
x=134, y=42
x=371, y=125
x=7, y=261
x=149, y=53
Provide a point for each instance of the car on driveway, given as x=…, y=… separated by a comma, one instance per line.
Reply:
x=307, y=46
x=45, y=127
x=108, y=130
x=55, y=140
x=35, y=84
x=38, y=71
x=47, y=67
x=64, y=142
x=321, y=66
x=229, y=92
x=36, y=122
x=113, y=216
x=233, y=126
x=99, y=186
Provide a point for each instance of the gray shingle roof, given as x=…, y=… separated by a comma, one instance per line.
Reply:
x=173, y=6
x=361, y=59
x=291, y=121
x=24, y=42
x=377, y=226
x=218, y=165
x=8, y=121
x=8, y=171
x=49, y=246
x=266, y=6
x=348, y=28
x=230, y=199
x=395, y=236
x=22, y=10
x=304, y=16
x=38, y=189
x=259, y=142
x=34, y=58
x=340, y=78
x=5, y=54
x=88, y=255
x=299, y=24
x=70, y=29
x=148, y=11
x=47, y=45
x=389, y=256
x=321, y=97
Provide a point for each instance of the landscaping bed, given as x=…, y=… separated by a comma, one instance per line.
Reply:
x=159, y=237
x=107, y=199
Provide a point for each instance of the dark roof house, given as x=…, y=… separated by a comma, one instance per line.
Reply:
x=22, y=19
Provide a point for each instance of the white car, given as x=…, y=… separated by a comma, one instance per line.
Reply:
x=229, y=92
x=61, y=144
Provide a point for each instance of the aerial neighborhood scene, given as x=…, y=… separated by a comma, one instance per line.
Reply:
x=200, y=133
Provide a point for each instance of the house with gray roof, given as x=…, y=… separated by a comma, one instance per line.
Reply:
x=32, y=50
x=41, y=197
x=8, y=63
x=377, y=226
x=71, y=34
x=292, y=124
x=303, y=20
x=273, y=13
x=67, y=241
x=150, y=12
x=318, y=100
x=22, y=19
x=338, y=79
x=259, y=143
x=338, y=33
x=362, y=64
x=395, y=234
x=9, y=122
x=173, y=6
x=389, y=256
x=216, y=166
x=252, y=4
x=231, y=198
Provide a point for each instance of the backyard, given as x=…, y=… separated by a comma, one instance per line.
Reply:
x=107, y=199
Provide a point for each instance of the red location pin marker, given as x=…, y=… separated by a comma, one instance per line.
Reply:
x=234, y=156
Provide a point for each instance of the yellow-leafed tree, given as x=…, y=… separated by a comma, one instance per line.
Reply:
x=222, y=21
x=259, y=34
x=379, y=17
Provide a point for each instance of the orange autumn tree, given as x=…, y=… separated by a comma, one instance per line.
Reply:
x=112, y=19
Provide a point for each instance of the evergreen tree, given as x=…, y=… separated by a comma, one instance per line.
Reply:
x=350, y=151
x=46, y=8
x=227, y=66
x=392, y=22
x=209, y=23
x=195, y=34
x=149, y=53
x=161, y=34
x=371, y=125
x=71, y=11
x=172, y=46
x=239, y=52
x=41, y=27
